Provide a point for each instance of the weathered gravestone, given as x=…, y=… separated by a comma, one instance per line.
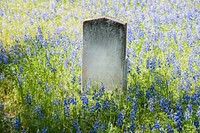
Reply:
x=104, y=53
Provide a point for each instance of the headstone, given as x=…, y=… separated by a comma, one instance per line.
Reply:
x=104, y=53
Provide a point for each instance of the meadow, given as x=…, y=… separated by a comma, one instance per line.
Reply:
x=40, y=68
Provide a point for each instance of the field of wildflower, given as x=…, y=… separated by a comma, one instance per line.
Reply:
x=40, y=68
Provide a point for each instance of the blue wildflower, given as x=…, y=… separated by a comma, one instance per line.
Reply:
x=44, y=130
x=157, y=124
x=151, y=104
x=132, y=127
x=66, y=63
x=120, y=119
x=4, y=58
x=56, y=116
x=2, y=12
x=79, y=131
x=84, y=100
x=96, y=126
x=132, y=115
x=164, y=104
x=75, y=124
x=66, y=108
x=72, y=100
x=196, y=123
x=178, y=117
x=130, y=35
x=143, y=127
x=16, y=123
x=21, y=69
x=169, y=128
x=103, y=127
x=128, y=98
x=105, y=104
x=19, y=79
x=99, y=93
x=148, y=94
x=38, y=110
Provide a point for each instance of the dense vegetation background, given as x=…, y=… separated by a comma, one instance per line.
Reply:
x=40, y=67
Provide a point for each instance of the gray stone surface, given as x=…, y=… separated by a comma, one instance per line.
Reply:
x=104, y=53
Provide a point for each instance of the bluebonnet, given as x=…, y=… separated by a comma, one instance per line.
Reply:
x=2, y=12
x=130, y=35
x=84, y=100
x=56, y=102
x=45, y=44
x=132, y=115
x=165, y=105
x=3, y=58
x=44, y=130
x=120, y=119
x=26, y=37
x=178, y=117
x=195, y=98
x=189, y=107
x=128, y=98
x=187, y=114
x=103, y=127
x=56, y=116
x=16, y=123
x=73, y=55
x=39, y=36
x=96, y=126
x=72, y=100
x=147, y=46
x=169, y=128
x=66, y=108
x=79, y=131
x=148, y=94
x=99, y=93
x=151, y=64
x=38, y=110
x=150, y=127
x=19, y=79
x=157, y=124
x=132, y=127
x=186, y=98
x=24, y=131
x=151, y=104
x=96, y=107
x=28, y=50
x=75, y=124
x=66, y=63
x=138, y=70
x=106, y=104
x=21, y=69
x=196, y=123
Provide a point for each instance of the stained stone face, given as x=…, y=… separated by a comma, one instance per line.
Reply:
x=104, y=53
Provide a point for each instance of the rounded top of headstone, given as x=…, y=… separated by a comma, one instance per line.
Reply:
x=105, y=18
